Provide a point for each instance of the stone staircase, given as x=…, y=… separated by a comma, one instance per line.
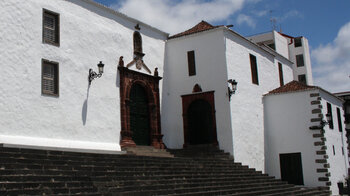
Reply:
x=193, y=171
x=147, y=151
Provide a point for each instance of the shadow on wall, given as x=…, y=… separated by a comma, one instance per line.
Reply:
x=85, y=107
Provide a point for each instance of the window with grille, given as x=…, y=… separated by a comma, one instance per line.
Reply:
x=50, y=27
x=297, y=42
x=49, y=78
x=300, y=60
x=302, y=78
x=254, y=69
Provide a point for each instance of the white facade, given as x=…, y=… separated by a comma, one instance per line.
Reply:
x=285, y=45
x=85, y=116
x=288, y=118
x=211, y=74
x=226, y=58
x=82, y=116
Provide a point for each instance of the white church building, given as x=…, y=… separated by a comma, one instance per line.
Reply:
x=80, y=76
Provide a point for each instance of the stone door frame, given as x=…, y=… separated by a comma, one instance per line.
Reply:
x=187, y=100
x=151, y=85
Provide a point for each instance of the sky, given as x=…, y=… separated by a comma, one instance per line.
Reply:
x=325, y=23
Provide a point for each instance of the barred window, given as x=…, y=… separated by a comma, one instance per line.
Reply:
x=49, y=78
x=297, y=42
x=302, y=78
x=50, y=27
x=300, y=60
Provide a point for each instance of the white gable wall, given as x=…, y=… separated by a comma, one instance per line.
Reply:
x=246, y=105
x=306, y=69
x=82, y=116
x=281, y=44
x=287, y=122
x=211, y=75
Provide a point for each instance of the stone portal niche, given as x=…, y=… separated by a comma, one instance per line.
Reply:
x=129, y=80
x=199, y=119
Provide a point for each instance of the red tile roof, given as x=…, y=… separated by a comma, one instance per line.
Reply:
x=202, y=26
x=292, y=87
x=295, y=86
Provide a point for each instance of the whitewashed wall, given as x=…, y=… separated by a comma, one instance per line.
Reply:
x=338, y=162
x=246, y=105
x=211, y=75
x=306, y=69
x=82, y=116
x=287, y=122
x=281, y=44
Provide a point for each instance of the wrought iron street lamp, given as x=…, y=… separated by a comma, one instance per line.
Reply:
x=323, y=123
x=93, y=74
x=233, y=88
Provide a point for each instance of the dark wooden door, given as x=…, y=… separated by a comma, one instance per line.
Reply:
x=139, y=115
x=200, y=123
x=291, y=168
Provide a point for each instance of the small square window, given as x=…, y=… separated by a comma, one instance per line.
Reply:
x=302, y=78
x=49, y=78
x=297, y=42
x=50, y=27
x=300, y=60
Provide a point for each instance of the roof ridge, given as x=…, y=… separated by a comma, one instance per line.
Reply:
x=201, y=26
x=292, y=86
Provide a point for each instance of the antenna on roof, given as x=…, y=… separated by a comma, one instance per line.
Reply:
x=273, y=20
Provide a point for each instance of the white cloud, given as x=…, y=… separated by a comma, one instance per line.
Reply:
x=177, y=16
x=242, y=18
x=331, y=62
x=261, y=13
x=290, y=14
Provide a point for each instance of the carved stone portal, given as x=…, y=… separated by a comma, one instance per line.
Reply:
x=151, y=85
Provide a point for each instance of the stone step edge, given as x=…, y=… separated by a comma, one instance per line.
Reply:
x=220, y=189
x=50, y=148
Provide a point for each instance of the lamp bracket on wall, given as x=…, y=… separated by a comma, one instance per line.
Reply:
x=323, y=123
x=233, y=88
x=93, y=74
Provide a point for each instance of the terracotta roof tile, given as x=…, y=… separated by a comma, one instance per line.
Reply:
x=292, y=87
x=295, y=86
x=202, y=26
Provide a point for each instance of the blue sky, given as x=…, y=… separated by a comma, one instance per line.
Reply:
x=325, y=23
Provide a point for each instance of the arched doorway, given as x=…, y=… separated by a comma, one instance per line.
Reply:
x=199, y=118
x=139, y=115
x=200, y=123
x=139, y=109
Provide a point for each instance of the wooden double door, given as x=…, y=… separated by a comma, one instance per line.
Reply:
x=139, y=115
